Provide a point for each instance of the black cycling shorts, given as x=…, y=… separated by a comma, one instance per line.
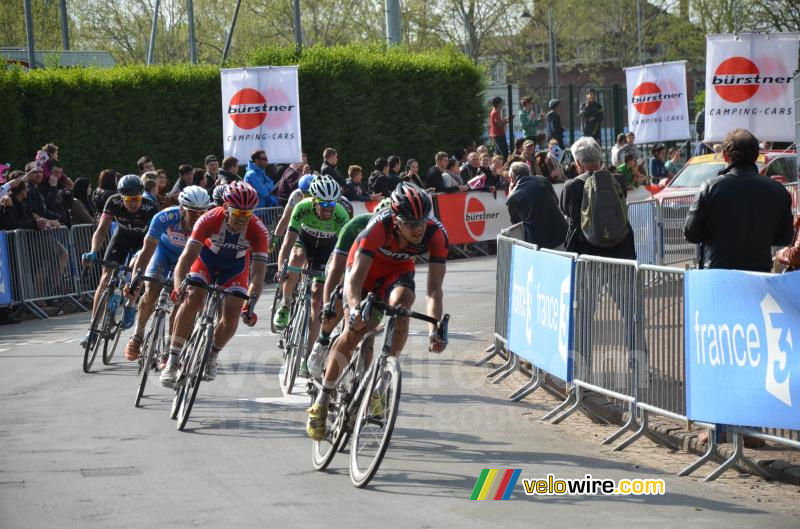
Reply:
x=122, y=244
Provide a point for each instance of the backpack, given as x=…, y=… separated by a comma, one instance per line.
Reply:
x=604, y=213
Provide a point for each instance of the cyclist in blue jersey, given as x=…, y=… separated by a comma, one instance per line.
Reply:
x=165, y=240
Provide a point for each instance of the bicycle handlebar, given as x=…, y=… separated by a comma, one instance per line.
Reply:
x=370, y=302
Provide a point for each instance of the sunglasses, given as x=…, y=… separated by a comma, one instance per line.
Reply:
x=263, y=159
x=413, y=224
x=132, y=200
x=241, y=213
x=323, y=204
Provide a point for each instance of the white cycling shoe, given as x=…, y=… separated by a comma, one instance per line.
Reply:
x=317, y=358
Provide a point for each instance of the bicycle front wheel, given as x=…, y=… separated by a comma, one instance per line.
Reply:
x=375, y=422
x=198, y=363
x=111, y=334
x=93, y=344
x=151, y=346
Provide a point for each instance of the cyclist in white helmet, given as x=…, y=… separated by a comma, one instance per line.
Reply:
x=165, y=240
x=313, y=229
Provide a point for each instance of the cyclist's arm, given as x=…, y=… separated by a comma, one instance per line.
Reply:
x=356, y=278
x=333, y=274
x=101, y=233
x=147, y=252
x=190, y=254
x=257, y=279
x=283, y=224
x=435, y=280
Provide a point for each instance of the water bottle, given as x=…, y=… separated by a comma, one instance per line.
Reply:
x=113, y=303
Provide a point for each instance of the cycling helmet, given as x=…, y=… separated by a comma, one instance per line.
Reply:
x=130, y=185
x=240, y=195
x=347, y=206
x=218, y=194
x=325, y=188
x=194, y=197
x=409, y=202
x=304, y=182
x=386, y=203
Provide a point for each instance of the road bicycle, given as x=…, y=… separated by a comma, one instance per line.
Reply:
x=155, y=344
x=366, y=398
x=295, y=336
x=104, y=327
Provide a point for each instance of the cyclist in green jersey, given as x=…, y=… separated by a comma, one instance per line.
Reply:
x=314, y=225
x=334, y=272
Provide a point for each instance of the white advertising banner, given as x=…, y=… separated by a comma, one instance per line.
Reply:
x=261, y=111
x=749, y=85
x=657, y=103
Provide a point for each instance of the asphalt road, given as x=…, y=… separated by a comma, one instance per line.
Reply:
x=76, y=453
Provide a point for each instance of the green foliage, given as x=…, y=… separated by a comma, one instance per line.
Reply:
x=365, y=101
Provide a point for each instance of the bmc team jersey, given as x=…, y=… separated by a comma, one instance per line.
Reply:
x=350, y=232
x=379, y=241
x=313, y=232
x=130, y=224
x=166, y=228
x=211, y=231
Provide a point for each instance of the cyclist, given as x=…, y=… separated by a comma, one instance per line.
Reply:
x=163, y=244
x=332, y=315
x=294, y=198
x=218, y=250
x=132, y=213
x=382, y=261
x=313, y=228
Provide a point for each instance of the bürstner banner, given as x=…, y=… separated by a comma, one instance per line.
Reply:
x=749, y=85
x=657, y=107
x=261, y=110
x=743, y=348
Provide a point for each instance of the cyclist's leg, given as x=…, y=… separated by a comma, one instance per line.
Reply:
x=202, y=270
x=105, y=277
x=235, y=280
x=297, y=259
x=156, y=269
x=398, y=289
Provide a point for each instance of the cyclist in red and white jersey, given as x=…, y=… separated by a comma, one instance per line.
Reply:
x=223, y=243
x=381, y=261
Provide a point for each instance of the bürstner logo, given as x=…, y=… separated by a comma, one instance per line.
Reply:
x=647, y=97
x=475, y=216
x=738, y=79
x=248, y=108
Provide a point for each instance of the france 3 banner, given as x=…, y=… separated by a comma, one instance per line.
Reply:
x=261, y=111
x=5, y=272
x=743, y=348
x=540, y=310
x=472, y=217
x=749, y=85
x=657, y=106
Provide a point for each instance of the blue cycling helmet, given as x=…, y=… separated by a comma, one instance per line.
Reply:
x=305, y=182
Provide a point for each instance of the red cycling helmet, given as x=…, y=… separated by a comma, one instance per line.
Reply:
x=240, y=195
x=409, y=202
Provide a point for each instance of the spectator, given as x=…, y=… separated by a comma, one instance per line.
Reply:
x=629, y=171
x=534, y=203
x=470, y=169
x=700, y=124
x=150, y=180
x=674, y=164
x=588, y=159
x=229, y=172
x=528, y=120
x=554, y=155
x=162, y=199
x=145, y=165
x=451, y=175
x=617, y=154
x=460, y=154
x=412, y=173
x=211, y=172
x=739, y=215
x=185, y=179
x=630, y=148
x=717, y=148
x=15, y=213
x=518, y=143
x=378, y=183
x=790, y=256
x=289, y=179
x=82, y=210
x=107, y=186
x=257, y=177
x=497, y=126
x=656, y=167
x=331, y=158
x=394, y=171
x=199, y=177
x=45, y=217
x=591, y=115
x=553, y=128
x=433, y=178
x=529, y=152
x=353, y=190
x=50, y=151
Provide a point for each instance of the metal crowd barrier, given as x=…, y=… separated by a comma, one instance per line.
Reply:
x=16, y=287
x=270, y=218
x=644, y=219
x=89, y=277
x=674, y=247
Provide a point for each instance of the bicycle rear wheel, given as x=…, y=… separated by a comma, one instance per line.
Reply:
x=195, y=375
x=276, y=302
x=373, y=432
x=296, y=345
x=151, y=348
x=93, y=345
x=111, y=333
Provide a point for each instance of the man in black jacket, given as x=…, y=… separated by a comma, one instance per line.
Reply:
x=739, y=215
x=591, y=115
x=329, y=165
x=14, y=212
x=433, y=178
x=534, y=203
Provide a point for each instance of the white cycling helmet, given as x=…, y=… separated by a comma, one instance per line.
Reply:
x=194, y=197
x=325, y=188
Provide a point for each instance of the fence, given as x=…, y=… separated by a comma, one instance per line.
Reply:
x=628, y=329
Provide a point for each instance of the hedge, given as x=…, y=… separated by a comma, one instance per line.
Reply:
x=366, y=101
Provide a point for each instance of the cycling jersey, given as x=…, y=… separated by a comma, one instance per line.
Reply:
x=295, y=198
x=133, y=223
x=349, y=233
x=380, y=241
x=167, y=229
x=312, y=230
x=211, y=231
